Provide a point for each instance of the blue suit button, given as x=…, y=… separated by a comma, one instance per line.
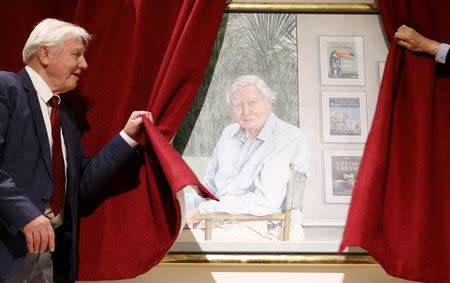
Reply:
x=44, y=199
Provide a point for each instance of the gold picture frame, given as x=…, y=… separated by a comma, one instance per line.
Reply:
x=273, y=259
x=264, y=259
x=305, y=7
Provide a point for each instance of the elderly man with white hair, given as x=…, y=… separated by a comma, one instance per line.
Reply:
x=249, y=168
x=43, y=172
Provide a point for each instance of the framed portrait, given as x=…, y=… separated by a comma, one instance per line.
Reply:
x=342, y=60
x=252, y=175
x=344, y=116
x=253, y=220
x=341, y=169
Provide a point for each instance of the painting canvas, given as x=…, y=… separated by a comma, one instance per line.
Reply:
x=253, y=45
x=253, y=182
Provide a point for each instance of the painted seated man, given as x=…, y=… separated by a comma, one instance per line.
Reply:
x=249, y=168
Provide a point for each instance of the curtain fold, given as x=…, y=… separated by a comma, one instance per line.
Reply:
x=149, y=59
x=145, y=54
x=399, y=210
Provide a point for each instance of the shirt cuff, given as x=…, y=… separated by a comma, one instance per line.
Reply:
x=441, y=54
x=128, y=140
x=207, y=206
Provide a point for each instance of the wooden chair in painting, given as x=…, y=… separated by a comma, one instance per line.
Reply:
x=293, y=201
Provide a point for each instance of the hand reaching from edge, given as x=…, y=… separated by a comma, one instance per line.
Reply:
x=414, y=41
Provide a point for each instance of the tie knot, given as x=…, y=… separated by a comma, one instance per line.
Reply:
x=53, y=101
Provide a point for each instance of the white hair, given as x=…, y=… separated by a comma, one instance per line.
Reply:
x=245, y=81
x=51, y=32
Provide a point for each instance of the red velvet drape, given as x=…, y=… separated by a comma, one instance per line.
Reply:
x=145, y=55
x=399, y=210
x=17, y=19
x=154, y=60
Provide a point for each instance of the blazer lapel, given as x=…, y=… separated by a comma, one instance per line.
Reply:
x=38, y=119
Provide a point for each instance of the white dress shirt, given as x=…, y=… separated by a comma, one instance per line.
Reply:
x=441, y=54
x=250, y=176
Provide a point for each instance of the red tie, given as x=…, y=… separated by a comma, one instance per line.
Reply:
x=57, y=199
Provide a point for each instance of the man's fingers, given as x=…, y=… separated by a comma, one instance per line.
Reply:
x=44, y=240
x=30, y=242
x=402, y=27
x=36, y=241
x=400, y=35
x=137, y=114
x=405, y=28
x=38, y=234
x=149, y=116
x=51, y=239
x=404, y=44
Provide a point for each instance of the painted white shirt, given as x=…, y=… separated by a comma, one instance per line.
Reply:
x=250, y=176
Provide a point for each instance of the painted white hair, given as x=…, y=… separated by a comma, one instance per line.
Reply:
x=51, y=32
x=245, y=81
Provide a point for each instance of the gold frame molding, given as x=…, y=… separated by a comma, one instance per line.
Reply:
x=238, y=259
x=264, y=259
x=299, y=8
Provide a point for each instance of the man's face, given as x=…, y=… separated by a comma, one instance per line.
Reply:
x=250, y=109
x=65, y=63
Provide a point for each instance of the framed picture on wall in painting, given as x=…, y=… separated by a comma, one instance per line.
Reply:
x=344, y=116
x=342, y=60
x=341, y=169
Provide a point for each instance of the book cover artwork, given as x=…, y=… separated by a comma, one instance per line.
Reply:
x=344, y=171
x=342, y=60
x=345, y=116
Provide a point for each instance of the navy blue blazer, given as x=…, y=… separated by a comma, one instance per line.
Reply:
x=26, y=178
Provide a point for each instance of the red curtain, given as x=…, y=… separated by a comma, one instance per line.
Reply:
x=399, y=210
x=17, y=19
x=144, y=55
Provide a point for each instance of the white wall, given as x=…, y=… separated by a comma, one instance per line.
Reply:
x=321, y=218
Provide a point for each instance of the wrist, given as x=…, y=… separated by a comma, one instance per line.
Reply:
x=432, y=47
x=128, y=139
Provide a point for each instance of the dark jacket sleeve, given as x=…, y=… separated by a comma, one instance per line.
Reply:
x=16, y=210
x=99, y=170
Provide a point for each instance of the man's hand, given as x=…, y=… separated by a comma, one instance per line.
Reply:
x=39, y=235
x=192, y=217
x=414, y=41
x=134, y=126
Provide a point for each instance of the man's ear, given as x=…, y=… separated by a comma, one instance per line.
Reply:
x=42, y=52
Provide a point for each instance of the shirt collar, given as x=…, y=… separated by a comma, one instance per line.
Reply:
x=42, y=88
x=265, y=132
